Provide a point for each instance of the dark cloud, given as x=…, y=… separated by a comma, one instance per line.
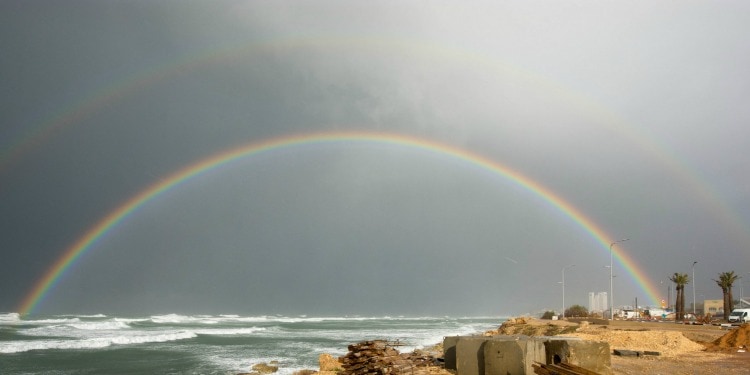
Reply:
x=632, y=115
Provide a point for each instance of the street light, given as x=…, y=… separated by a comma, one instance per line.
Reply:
x=563, y=289
x=694, y=288
x=611, y=285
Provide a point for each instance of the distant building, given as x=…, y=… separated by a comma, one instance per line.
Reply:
x=598, y=302
x=713, y=306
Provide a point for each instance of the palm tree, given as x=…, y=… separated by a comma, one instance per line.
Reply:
x=680, y=279
x=725, y=282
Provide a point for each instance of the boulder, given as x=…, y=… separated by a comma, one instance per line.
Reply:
x=329, y=363
x=264, y=368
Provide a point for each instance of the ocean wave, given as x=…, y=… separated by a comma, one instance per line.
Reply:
x=52, y=321
x=92, y=343
x=105, y=325
x=229, y=331
x=76, y=330
x=183, y=319
x=131, y=320
x=214, y=319
x=10, y=318
x=90, y=316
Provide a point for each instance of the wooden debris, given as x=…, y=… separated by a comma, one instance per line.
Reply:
x=378, y=357
x=634, y=353
x=626, y=353
x=561, y=369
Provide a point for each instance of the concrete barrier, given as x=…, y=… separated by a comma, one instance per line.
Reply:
x=469, y=352
x=449, y=351
x=510, y=355
x=591, y=355
x=470, y=355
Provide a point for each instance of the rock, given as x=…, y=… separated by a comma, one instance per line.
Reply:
x=626, y=353
x=264, y=368
x=329, y=363
x=304, y=372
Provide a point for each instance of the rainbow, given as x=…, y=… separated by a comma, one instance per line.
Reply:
x=34, y=136
x=86, y=242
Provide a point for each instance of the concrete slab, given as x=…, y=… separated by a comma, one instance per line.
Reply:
x=470, y=355
x=469, y=352
x=509, y=355
x=449, y=351
x=591, y=355
x=512, y=357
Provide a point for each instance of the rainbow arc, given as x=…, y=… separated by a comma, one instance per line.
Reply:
x=85, y=243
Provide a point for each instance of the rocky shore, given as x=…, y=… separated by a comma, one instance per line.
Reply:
x=681, y=349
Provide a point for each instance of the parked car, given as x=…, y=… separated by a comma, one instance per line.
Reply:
x=739, y=316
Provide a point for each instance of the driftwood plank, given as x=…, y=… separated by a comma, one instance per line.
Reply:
x=561, y=369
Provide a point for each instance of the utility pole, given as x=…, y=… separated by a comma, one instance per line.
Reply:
x=611, y=284
x=694, y=287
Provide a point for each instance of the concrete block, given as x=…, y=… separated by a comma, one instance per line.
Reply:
x=591, y=355
x=449, y=351
x=512, y=357
x=469, y=352
x=470, y=355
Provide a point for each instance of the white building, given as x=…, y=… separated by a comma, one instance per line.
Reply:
x=598, y=302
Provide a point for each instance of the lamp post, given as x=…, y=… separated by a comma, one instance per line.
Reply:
x=563, y=289
x=742, y=303
x=611, y=285
x=694, y=287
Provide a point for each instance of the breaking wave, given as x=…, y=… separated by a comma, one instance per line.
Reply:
x=91, y=343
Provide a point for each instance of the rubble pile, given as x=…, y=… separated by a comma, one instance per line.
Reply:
x=379, y=357
x=736, y=339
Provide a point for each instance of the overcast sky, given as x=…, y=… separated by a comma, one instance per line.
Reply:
x=635, y=113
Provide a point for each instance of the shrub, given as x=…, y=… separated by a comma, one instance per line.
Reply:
x=548, y=315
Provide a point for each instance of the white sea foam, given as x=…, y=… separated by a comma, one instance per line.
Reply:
x=84, y=316
x=183, y=319
x=228, y=331
x=78, y=330
x=10, y=318
x=171, y=318
x=130, y=320
x=103, y=325
x=53, y=321
x=215, y=319
x=92, y=343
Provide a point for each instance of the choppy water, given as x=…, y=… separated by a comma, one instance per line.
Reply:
x=222, y=344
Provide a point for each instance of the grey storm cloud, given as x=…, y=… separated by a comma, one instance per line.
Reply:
x=632, y=113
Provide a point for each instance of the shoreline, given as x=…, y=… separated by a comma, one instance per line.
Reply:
x=683, y=349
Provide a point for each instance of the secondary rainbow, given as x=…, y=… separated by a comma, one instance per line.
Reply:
x=138, y=80
x=86, y=242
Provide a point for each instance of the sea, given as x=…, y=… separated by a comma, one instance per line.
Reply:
x=205, y=344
